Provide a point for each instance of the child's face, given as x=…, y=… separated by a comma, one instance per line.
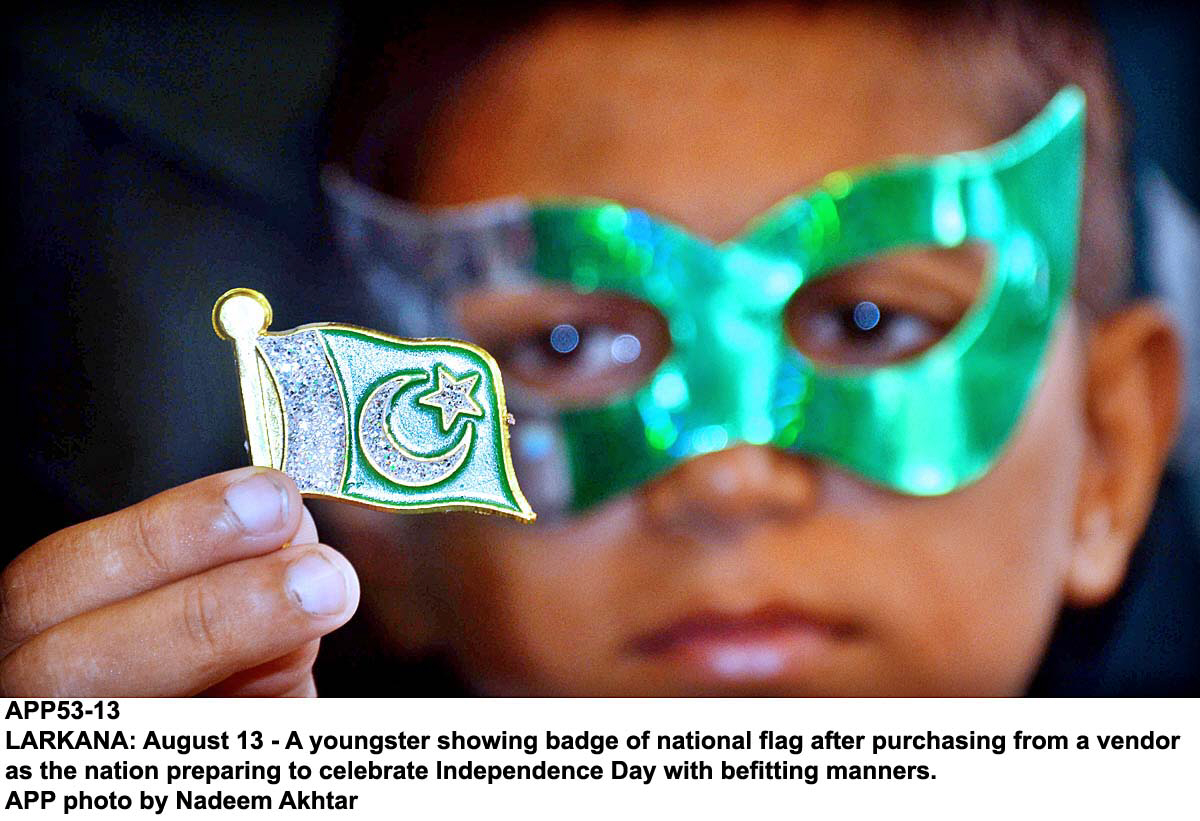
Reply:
x=747, y=570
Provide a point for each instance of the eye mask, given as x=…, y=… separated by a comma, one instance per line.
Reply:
x=924, y=426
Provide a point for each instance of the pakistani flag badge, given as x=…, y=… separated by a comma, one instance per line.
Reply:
x=397, y=424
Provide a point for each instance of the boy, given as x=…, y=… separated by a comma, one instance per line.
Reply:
x=738, y=567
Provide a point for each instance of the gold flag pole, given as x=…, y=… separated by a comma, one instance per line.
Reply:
x=240, y=315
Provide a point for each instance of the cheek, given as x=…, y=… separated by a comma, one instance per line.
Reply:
x=539, y=610
x=991, y=569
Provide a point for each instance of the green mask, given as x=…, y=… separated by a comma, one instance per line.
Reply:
x=923, y=426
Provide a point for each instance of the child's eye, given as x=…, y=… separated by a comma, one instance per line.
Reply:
x=570, y=351
x=885, y=309
x=864, y=332
x=567, y=347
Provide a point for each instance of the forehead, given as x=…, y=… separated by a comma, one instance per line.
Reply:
x=707, y=118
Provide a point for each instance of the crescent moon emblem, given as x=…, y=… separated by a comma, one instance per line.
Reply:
x=391, y=457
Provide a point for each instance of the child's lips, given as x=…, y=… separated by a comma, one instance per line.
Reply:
x=768, y=643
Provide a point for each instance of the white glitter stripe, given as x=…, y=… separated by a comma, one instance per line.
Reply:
x=314, y=410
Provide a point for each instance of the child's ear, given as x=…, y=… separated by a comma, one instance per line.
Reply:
x=1132, y=402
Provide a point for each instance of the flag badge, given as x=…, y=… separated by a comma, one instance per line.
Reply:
x=397, y=424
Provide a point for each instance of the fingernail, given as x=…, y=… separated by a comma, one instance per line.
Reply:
x=316, y=585
x=258, y=503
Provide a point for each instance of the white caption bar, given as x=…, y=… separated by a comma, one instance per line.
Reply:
x=542, y=758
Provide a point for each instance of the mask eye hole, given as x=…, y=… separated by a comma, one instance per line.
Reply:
x=887, y=308
x=569, y=348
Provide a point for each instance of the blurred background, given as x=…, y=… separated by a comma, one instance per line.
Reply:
x=157, y=158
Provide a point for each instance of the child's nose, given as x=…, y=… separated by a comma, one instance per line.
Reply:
x=730, y=488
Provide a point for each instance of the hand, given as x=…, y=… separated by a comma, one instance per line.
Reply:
x=215, y=587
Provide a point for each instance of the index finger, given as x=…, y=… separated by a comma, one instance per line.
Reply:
x=175, y=534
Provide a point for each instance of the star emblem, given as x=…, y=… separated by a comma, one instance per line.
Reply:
x=452, y=396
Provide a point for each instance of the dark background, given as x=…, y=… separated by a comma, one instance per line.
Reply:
x=155, y=159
